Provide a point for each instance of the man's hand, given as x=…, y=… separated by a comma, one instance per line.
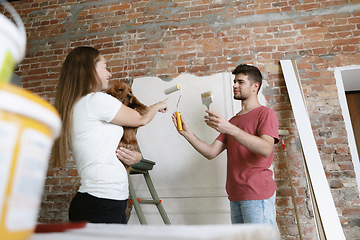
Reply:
x=218, y=122
x=208, y=151
x=262, y=145
x=186, y=132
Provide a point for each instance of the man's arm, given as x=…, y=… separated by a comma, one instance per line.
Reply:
x=208, y=151
x=262, y=145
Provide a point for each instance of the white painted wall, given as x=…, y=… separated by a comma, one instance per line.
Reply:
x=192, y=188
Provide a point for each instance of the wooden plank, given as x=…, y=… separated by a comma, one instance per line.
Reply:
x=327, y=220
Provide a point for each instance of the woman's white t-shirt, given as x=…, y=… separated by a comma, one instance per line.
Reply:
x=93, y=142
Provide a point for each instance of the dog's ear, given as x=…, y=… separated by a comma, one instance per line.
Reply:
x=138, y=106
x=136, y=102
x=108, y=91
x=111, y=91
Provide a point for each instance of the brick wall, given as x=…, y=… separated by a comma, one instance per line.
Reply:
x=165, y=38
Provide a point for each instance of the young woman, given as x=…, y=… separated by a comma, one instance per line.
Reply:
x=92, y=128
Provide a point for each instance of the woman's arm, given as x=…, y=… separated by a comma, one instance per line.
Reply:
x=130, y=118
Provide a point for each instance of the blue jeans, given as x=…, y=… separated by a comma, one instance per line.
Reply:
x=254, y=211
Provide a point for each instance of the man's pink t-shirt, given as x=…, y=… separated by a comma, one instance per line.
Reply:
x=248, y=174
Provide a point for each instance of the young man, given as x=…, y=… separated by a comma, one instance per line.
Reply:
x=249, y=139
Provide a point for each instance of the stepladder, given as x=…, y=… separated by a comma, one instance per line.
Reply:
x=143, y=167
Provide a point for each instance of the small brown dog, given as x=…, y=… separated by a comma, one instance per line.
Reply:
x=122, y=91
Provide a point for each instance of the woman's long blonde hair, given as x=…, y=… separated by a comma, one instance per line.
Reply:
x=78, y=77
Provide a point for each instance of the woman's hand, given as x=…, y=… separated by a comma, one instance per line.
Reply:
x=163, y=107
x=127, y=156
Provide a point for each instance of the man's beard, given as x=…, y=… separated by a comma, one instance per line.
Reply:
x=241, y=98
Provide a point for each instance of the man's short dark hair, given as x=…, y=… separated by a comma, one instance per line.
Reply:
x=252, y=72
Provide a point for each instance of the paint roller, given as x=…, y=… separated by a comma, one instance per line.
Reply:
x=177, y=113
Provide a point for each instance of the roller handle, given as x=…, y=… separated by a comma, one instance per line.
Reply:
x=178, y=118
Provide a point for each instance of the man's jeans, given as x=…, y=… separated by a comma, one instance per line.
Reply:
x=254, y=211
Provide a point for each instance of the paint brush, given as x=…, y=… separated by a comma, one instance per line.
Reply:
x=207, y=99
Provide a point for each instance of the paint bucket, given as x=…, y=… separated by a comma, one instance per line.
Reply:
x=13, y=42
x=28, y=127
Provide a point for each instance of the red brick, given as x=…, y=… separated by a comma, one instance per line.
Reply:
x=346, y=166
x=124, y=7
x=336, y=141
x=344, y=42
x=351, y=211
x=173, y=42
